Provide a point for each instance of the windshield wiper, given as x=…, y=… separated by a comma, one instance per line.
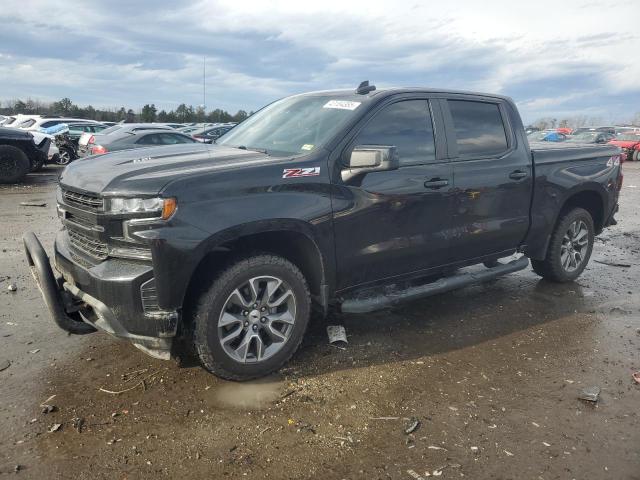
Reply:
x=260, y=150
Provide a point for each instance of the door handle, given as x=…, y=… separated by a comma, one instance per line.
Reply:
x=436, y=183
x=518, y=175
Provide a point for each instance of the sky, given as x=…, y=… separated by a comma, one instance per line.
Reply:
x=554, y=58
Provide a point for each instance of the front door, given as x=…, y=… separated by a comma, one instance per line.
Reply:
x=395, y=222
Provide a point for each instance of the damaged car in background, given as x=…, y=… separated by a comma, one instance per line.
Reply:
x=630, y=143
x=20, y=154
x=347, y=200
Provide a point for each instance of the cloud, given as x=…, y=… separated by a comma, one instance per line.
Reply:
x=551, y=58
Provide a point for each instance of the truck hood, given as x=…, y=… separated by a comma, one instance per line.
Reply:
x=145, y=171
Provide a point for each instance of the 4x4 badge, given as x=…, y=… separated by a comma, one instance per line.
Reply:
x=301, y=172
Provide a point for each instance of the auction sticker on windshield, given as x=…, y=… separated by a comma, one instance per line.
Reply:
x=342, y=104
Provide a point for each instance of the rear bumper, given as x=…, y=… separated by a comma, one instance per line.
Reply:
x=106, y=296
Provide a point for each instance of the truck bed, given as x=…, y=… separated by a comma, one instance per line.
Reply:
x=551, y=152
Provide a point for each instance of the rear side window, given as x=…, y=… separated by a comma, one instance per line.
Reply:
x=152, y=139
x=171, y=139
x=479, y=128
x=405, y=125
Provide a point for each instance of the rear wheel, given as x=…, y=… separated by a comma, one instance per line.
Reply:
x=14, y=164
x=65, y=157
x=569, y=248
x=38, y=164
x=252, y=318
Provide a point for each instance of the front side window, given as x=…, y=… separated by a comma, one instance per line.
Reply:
x=478, y=127
x=407, y=126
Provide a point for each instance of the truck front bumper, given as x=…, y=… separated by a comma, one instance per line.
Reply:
x=107, y=296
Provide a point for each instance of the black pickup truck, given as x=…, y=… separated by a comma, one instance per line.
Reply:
x=340, y=200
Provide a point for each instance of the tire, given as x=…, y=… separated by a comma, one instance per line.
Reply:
x=65, y=157
x=569, y=248
x=230, y=333
x=37, y=166
x=14, y=164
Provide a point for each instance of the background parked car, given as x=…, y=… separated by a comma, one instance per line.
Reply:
x=546, y=136
x=67, y=142
x=591, y=137
x=77, y=129
x=611, y=130
x=20, y=154
x=210, y=134
x=47, y=122
x=15, y=120
x=88, y=138
x=630, y=143
x=136, y=139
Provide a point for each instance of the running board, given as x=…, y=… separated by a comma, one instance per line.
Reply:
x=373, y=303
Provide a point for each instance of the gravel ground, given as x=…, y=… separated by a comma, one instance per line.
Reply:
x=486, y=379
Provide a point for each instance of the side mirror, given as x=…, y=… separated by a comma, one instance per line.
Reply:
x=365, y=159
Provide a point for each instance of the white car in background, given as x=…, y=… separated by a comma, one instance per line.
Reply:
x=46, y=122
x=14, y=120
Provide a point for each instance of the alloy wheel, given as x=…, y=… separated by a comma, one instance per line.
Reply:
x=575, y=244
x=257, y=319
x=64, y=157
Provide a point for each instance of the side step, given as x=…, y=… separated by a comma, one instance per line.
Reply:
x=373, y=303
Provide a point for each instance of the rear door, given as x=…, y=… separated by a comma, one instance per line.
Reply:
x=492, y=178
x=391, y=223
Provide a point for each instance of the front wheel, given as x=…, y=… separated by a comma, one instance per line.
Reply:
x=252, y=318
x=569, y=248
x=65, y=157
x=14, y=164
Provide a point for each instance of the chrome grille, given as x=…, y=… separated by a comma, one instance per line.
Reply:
x=84, y=201
x=90, y=246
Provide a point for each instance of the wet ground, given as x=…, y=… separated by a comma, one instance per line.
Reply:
x=492, y=374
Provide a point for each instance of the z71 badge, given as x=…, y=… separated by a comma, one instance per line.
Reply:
x=301, y=172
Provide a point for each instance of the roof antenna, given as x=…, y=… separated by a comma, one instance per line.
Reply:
x=365, y=88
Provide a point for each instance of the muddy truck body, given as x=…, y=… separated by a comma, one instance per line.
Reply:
x=328, y=201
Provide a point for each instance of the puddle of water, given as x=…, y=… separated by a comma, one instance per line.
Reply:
x=248, y=395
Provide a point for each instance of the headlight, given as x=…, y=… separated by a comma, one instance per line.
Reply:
x=165, y=207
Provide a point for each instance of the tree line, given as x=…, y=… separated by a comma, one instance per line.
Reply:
x=149, y=113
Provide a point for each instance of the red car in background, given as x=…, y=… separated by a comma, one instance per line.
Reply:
x=630, y=143
x=564, y=130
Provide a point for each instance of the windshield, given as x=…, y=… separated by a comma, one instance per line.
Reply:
x=293, y=125
x=584, y=137
x=26, y=123
x=109, y=130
